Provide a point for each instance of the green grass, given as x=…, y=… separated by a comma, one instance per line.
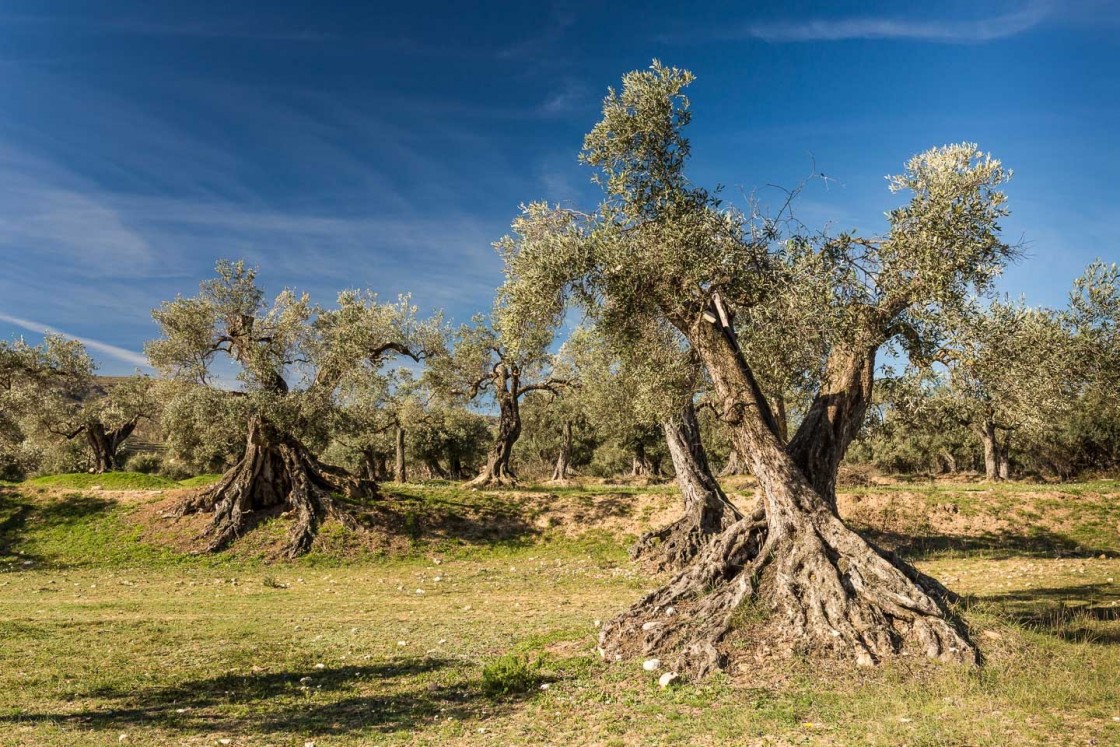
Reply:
x=103, y=635
x=107, y=481
x=199, y=481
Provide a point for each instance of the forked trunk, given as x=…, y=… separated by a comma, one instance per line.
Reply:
x=400, y=474
x=790, y=574
x=104, y=445
x=276, y=472
x=497, y=470
x=949, y=461
x=833, y=420
x=563, y=461
x=707, y=512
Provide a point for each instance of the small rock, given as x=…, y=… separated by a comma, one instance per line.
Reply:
x=651, y=665
x=598, y=623
x=402, y=643
x=905, y=720
x=122, y=738
x=864, y=660
x=419, y=591
x=650, y=625
x=545, y=686
x=308, y=744
x=671, y=611
x=225, y=740
x=667, y=679
x=320, y=666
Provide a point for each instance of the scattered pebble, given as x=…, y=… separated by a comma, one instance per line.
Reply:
x=651, y=665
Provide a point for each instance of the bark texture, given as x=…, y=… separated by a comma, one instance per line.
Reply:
x=989, y=437
x=276, y=472
x=735, y=465
x=564, y=459
x=400, y=471
x=815, y=586
x=833, y=420
x=496, y=471
x=707, y=512
x=105, y=444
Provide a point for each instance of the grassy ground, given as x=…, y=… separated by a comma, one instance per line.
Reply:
x=109, y=635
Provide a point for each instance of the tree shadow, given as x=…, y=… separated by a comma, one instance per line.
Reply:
x=20, y=515
x=1038, y=543
x=1072, y=613
x=306, y=702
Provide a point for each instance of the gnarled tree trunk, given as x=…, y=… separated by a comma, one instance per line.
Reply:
x=640, y=465
x=833, y=420
x=563, y=460
x=707, y=512
x=989, y=438
x=276, y=472
x=105, y=445
x=816, y=585
x=736, y=465
x=497, y=470
x=400, y=473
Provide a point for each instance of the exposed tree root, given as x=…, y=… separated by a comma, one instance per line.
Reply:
x=276, y=472
x=707, y=512
x=673, y=547
x=489, y=479
x=818, y=587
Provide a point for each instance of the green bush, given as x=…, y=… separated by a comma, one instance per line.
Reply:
x=510, y=675
x=144, y=462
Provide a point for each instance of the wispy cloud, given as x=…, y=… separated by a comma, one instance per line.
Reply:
x=113, y=351
x=953, y=31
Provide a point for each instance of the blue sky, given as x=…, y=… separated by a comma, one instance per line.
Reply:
x=350, y=144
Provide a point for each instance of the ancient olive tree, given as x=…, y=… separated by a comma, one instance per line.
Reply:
x=1008, y=370
x=293, y=361
x=660, y=250
x=649, y=385
x=505, y=365
x=54, y=392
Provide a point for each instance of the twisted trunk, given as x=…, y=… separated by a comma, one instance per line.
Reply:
x=497, y=470
x=707, y=512
x=834, y=419
x=104, y=445
x=276, y=472
x=814, y=585
x=563, y=461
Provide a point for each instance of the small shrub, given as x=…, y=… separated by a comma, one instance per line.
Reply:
x=510, y=675
x=145, y=463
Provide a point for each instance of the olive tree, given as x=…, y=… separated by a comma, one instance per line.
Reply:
x=293, y=361
x=663, y=251
x=53, y=390
x=504, y=364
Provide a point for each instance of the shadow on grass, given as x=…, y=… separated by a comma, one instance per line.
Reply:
x=21, y=516
x=1037, y=544
x=1078, y=614
x=387, y=697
